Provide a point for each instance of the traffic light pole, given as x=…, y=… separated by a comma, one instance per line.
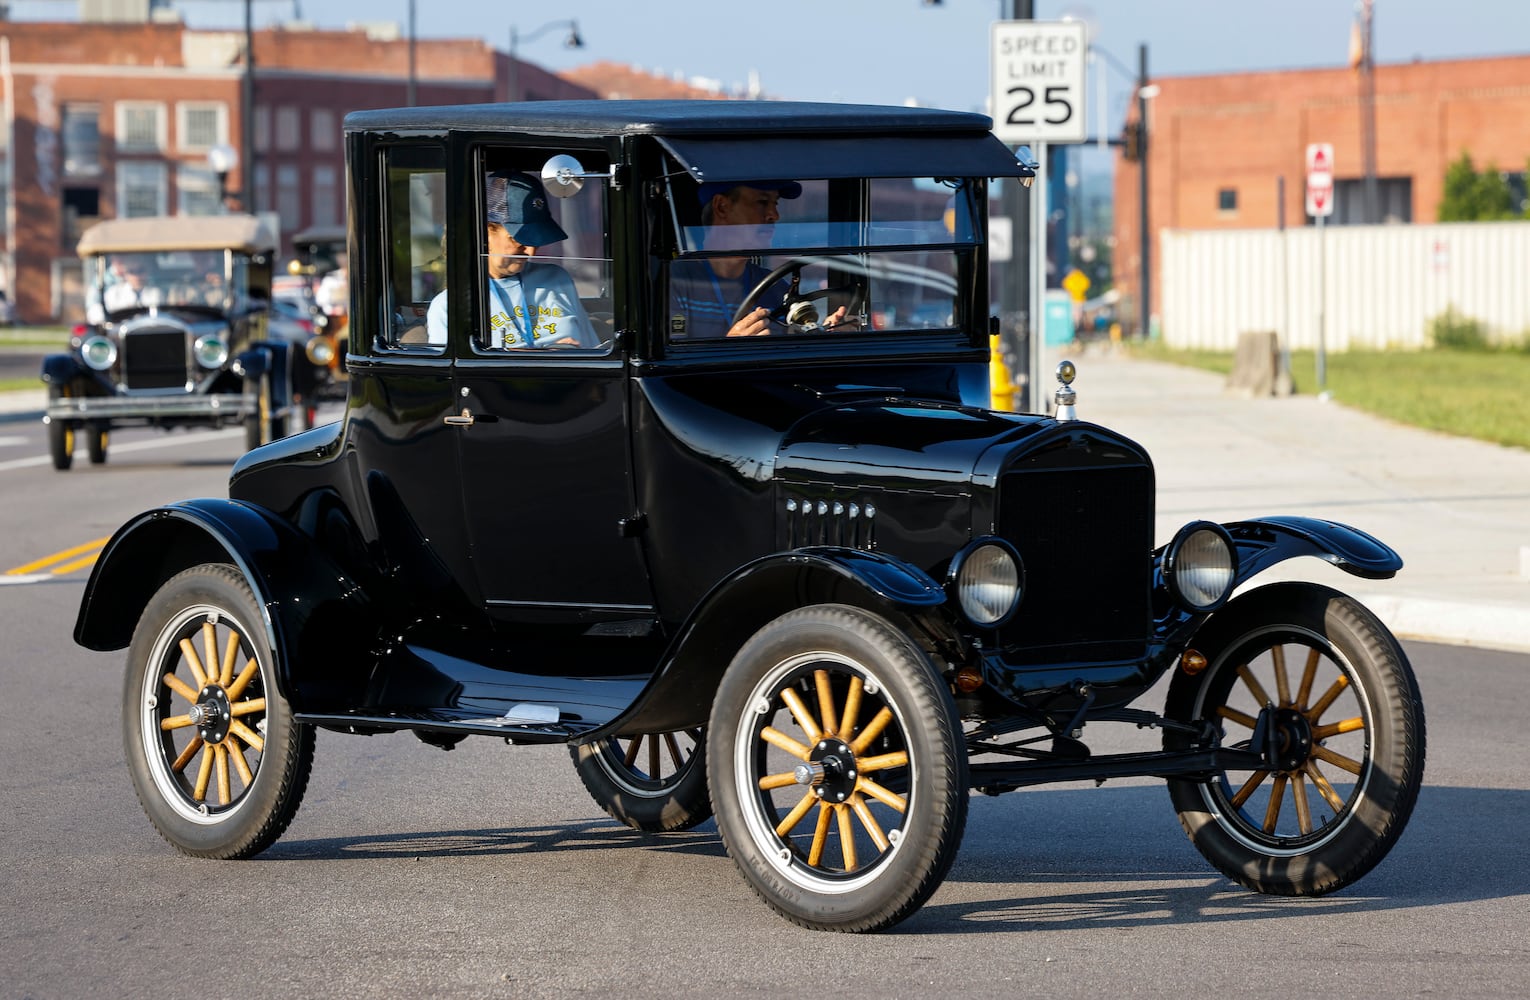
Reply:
x=1016, y=300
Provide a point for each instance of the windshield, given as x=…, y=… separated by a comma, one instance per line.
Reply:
x=823, y=257
x=213, y=279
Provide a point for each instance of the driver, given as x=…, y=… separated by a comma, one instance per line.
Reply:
x=135, y=289
x=704, y=294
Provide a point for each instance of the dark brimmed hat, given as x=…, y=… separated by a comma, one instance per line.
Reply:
x=517, y=202
x=786, y=189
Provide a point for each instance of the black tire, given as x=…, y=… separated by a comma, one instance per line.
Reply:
x=97, y=438
x=252, y=759
x=264, y=425
x=60, y=434
x=654, y=783
x=1347, y=713
x=840, y=689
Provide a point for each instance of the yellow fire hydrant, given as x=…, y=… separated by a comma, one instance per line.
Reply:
x=1001, y=385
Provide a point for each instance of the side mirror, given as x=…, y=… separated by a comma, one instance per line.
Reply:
x=563, y=176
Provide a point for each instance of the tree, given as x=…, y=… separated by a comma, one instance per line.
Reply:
x=1473, y=196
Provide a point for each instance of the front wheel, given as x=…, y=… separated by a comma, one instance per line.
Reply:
x=655, y=782
x=218, y=762
x=1332, y=687
x=96, y=440
x=837, y=769
x=60, y=434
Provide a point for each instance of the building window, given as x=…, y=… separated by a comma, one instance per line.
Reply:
x=289, y=197
x=140, y=127
x=1227, y=201
x=288, y=128
x=82, y=140
x=263, y=201
x=1394, y=201
x=322, y=133
x=201, y=125
x=196, y=190
x=262, y=129
x=140, y=190
x=82, y=208
x=325, y=204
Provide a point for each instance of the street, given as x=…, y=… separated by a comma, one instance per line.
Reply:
x=488, y=872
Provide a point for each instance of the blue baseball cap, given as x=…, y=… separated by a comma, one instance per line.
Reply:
x=517, y=202
x=786, y=189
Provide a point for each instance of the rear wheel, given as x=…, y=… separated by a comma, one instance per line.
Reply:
x=837, y=769
x=656, y=783
x=1325, y=677
x=215, y=756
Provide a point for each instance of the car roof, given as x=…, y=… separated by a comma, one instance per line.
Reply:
x=594, y=118
x=178, y=232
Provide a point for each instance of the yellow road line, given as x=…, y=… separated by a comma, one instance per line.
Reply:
x=67, y=557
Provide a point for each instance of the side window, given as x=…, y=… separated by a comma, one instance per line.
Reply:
x=415, y=216
x=545, y=262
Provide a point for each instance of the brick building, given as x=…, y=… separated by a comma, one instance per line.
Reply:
x=1218, y=146
x=114, y=119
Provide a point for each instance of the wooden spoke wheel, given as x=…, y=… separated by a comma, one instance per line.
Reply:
x=218, y=763
x=654, y=782
x=60, y=433
x=96, y=440
x=837, y=769
x=1335, y=693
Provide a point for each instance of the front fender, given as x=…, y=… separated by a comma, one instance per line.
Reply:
x=318, y=622
x=680, y=694
x=61, y=369
x=1265, y=541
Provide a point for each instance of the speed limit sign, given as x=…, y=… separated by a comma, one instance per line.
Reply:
x=1038, y=81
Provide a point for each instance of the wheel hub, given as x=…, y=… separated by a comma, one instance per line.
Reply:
x=1293, y=739
x=830, y=771
x=212, y=714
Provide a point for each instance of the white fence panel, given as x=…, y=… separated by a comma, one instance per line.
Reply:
x=1381, y=285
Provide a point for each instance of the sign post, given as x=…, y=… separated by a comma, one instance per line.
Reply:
x=1320, y=207
x=1037, y=75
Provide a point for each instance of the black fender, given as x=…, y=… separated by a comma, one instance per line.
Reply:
x=318, y=621
x=1265, y=541
x=680, y=694
x=61, y=369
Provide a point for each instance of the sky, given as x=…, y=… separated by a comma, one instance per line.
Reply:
x=903, y=51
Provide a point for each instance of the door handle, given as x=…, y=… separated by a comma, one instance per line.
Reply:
x=464, y=419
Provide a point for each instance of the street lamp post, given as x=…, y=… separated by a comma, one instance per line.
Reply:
x=223, y=158
x=571, y=41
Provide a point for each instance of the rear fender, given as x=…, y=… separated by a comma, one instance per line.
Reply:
x=317, y=621
x=680, y=694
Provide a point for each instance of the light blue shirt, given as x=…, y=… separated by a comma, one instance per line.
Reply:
x=555, y=313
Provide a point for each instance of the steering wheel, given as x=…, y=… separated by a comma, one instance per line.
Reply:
x=794, y=295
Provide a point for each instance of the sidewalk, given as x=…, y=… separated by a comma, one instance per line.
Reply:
x=1457, y=510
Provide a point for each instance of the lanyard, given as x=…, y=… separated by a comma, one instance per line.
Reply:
x=503, y=297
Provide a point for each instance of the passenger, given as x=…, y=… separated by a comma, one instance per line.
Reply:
x=133, y=290
x=531, y=303
x=704, y=294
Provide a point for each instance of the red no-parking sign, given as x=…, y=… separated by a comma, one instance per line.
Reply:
x=1319, y=179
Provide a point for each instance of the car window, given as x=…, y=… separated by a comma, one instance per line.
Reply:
x=415, y=260
x=543, y=263
x=824, y=257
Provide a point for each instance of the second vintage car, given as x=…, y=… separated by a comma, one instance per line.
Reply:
x=175, y=336
x=668, y=440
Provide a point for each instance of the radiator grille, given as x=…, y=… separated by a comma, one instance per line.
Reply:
x=154, y=359
x=1086, y=536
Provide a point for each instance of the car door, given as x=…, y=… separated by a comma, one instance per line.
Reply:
x=542, y=433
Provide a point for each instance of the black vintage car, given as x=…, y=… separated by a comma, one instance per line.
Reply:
x=176, y=311
x=802, y=580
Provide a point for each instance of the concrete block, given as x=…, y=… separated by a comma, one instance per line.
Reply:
x=1258, y=368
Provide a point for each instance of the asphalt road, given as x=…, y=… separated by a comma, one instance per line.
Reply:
x=21, y=362
x=488, y=872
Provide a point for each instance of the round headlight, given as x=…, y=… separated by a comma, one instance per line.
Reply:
x=98, y=352
x=1201, y=566
x=320, y=351
x=988, y=581
x=211, y=351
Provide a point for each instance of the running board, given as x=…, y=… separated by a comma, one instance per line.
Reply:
x=995, y=778
x=516, y=727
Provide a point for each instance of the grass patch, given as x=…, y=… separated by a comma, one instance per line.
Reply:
x=34, y=336
x=14, y=384
x=1470, y=392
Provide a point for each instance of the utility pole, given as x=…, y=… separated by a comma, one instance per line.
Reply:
x=1144, y=319
x=1368, y=115
x=247, y=112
